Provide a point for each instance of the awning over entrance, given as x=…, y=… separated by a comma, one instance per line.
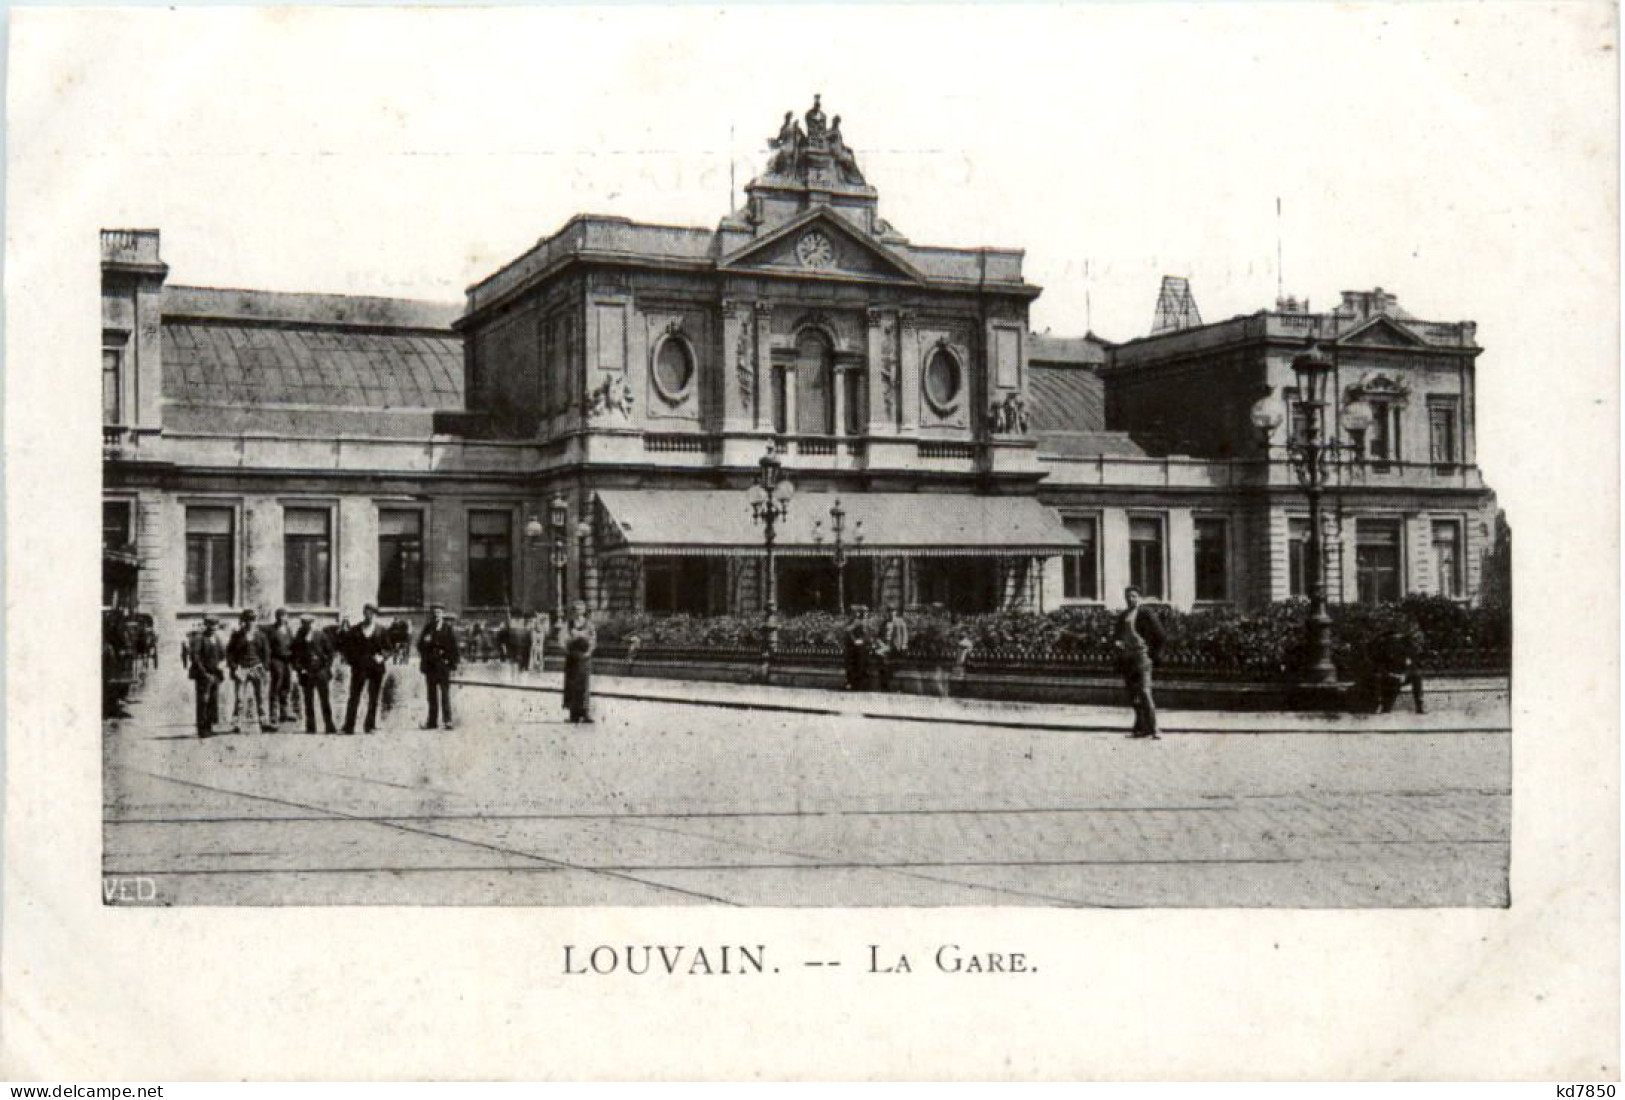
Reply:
x=718, y=522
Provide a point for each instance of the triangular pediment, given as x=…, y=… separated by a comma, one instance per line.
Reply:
x=1382, y=332
x=821, y=242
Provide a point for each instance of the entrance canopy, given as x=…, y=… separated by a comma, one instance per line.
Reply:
x=718, y=522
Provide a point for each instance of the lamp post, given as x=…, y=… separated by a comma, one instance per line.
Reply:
x=769, y=504
x=583, y=534
x=837, y=524
x=535, y=542
x=558, y=515
x=1310, y=453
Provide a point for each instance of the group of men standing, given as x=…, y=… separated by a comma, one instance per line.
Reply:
x=262, y=662
x=871, y=653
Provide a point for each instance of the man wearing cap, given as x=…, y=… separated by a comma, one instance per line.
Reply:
x=312, y=652
x=248, y=655
x=279, y=641
x=437, y=647
x=365, y=651
x=204, y=655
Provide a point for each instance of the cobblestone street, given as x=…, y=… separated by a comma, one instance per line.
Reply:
x=663, y=804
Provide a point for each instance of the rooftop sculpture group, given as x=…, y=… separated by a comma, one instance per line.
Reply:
x=796, y=150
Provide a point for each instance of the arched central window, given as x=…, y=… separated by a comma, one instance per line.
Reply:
x=814, y=384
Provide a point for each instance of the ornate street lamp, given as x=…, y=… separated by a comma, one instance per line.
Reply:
x=1310, y=452
x=558, y=517
x=837, y=523
x=583, y=534
x=769, y=504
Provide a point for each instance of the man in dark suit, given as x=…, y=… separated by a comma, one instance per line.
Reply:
x=857, y=649
x=248, y=655
x=366, y=648
x=1139, y=641
x=312, y=652
x=279, y=641
x=204, y=655
x=437, y=646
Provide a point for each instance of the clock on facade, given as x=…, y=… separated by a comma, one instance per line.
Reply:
x=814, y=250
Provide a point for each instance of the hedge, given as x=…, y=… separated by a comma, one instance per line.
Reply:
x=1422, y=628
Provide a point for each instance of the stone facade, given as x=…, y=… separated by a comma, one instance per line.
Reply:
x=619, y=358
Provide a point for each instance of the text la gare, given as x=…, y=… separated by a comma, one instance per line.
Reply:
x=950, y=958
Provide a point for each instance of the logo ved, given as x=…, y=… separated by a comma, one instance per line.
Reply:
x=129, y=890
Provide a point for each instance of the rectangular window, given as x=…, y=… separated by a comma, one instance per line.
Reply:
x=118, y=532
x=1297, y=417
x=307, y=556
x=1081, y=567
x=1145, y=550
x=1447, y=558
x=1442, y=421
x=677, y=586
x=1384, y=434
x=112, y=390
x=1212, y=559
x=1377, y=561
x=210, y=555
x=781, y=408
x=1297, y=545
x=490, y=558
x=400, y=557
x=852, y=383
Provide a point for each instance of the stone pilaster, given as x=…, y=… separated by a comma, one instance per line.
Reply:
x=356, y=529
x=738, y=382
x=908, y=374
x=763, y=367
x=882, y=379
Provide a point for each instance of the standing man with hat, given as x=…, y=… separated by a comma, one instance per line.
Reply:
x=1139, y=640
x=366, y=651
x=204, y=655
x=279, y=641
x=312, y=653
x=437, y=646
x=248, y=654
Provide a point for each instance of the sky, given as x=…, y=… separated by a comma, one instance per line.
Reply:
x=1458, y=155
